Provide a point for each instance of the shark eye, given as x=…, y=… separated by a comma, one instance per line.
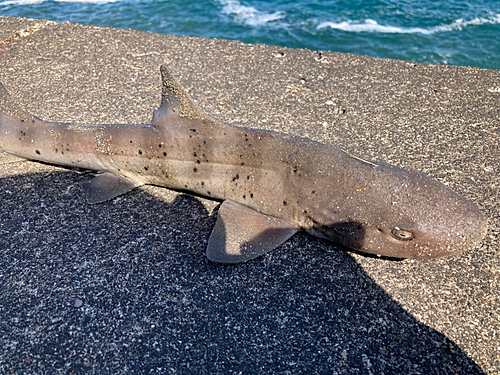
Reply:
x=401, y=234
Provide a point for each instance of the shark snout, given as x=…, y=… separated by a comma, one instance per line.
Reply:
x=443, y=233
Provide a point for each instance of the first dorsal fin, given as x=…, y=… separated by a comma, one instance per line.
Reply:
x=174, y=100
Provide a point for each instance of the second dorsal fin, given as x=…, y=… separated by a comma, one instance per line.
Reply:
x=174, y=100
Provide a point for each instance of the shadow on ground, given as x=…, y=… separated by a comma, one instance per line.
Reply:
x=125, y=287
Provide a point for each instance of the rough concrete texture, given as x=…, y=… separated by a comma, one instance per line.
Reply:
x=125, y=287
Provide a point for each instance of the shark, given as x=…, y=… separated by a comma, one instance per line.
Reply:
x=271, y=185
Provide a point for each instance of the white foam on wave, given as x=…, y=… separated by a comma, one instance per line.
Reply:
x=21, y=2
x=248, y=15
x=28, y=2
x=373, y=27
x=87, y=1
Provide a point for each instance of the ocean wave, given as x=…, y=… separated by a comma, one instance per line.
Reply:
x=28, y=2
x=248, y=15
x=374, y=27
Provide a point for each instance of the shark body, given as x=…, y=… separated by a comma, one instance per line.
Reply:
x=272, y=185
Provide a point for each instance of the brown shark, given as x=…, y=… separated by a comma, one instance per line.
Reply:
x=272, y=185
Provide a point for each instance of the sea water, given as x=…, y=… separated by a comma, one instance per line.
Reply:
x=429, y=31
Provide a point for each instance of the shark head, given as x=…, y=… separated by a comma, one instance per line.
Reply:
x=419, y=217
x=409, y=215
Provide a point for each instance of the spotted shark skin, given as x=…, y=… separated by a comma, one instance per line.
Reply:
x=271, y=184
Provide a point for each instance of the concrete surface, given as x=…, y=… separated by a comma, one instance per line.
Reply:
x=124, y=287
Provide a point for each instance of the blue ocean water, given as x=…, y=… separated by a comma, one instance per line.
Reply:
x=455, y=32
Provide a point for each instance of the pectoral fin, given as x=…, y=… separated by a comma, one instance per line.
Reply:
x=106, y=186
x=241, y=234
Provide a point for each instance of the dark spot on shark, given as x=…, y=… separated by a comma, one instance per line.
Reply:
x=236, y=178
x=146, y=168
x=242, y=163
x=204, y=142
x=313, y=192
x=186, y=186
x=195, y=169
x=37, y=152
x=130, y=141
x=209, y=193
x=248, y=177
x=294, y=169
x=23, y=120
x=193, y=130
x=140, y=152
x=194, y=154
x=56, y=150
x=164, y=154
x=159, y=146
x=244, y=196
x=67, y=149
x=284, y=203
x=251, y=195
x=202, y=183
x=198, y=162
x=33, y=121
